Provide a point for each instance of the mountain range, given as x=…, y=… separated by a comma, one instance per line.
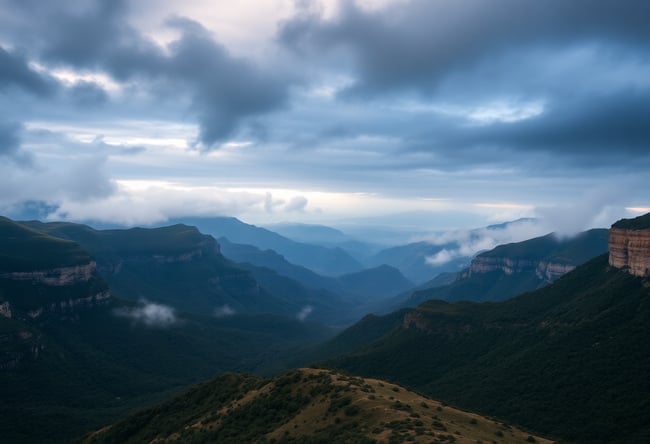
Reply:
x=95, y=323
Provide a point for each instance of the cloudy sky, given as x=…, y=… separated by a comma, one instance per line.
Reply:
x=434, y=113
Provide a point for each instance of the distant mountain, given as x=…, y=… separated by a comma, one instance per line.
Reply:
x=308, y=406
x=377, y=283
x=449, y=252
x=358, y=292
x=569, y=360
x=323, y=260
x=250, y=254
x=511, y=269
x=411, y=260
x=328, y=237
x=309, y=233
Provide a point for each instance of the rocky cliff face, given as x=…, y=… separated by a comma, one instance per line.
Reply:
x=58, y=291
x=56, y=277
x=629, y=249
x=545, y=270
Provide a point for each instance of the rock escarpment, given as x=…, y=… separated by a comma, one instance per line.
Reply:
x=546, y=271
x=629, y=245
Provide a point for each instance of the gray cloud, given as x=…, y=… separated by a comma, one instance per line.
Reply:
x=10, y=143
x=16, y=72
x=224, y=90
x=413, y=45
x=88, y=94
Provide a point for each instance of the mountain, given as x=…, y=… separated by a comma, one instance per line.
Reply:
x=411, y=260
x=512, y=269
x=365, y=288
x=310, y=233
x=306, y=405
x=250, y=254
x=376, y=283
x=175, y=265
x=72, y=355
x=568, y=360
x=323, y=260
x=629, y=245
x=451, y=251
x=329, y=237
x=42, y=276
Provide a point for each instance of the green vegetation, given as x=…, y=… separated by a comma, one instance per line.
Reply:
x=302, y=406
x=638, y=223
x=73, y=375
x=498, y=286
x=569, y=360
x=175, y=265
x=23, y=249
x=70, y=362
x=572, y=250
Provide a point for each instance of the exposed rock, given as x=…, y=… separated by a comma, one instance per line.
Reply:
x=544, y=270
x=57, y=276
x=629, y=250
x=5, y=309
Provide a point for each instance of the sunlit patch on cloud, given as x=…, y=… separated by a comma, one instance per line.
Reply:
x=641, y=210
x=504, y=113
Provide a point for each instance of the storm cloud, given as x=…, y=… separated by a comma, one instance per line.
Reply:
x=222, y=90
x=320, y=109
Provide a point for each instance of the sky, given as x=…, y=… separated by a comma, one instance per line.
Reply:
x=429, y=114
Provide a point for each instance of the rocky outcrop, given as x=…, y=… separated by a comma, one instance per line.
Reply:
x=57, y=277
x=546, y=271
x=629, y=250
x=67, y=306
x=5, y=309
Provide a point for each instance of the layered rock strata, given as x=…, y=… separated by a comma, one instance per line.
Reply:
x=629, y=250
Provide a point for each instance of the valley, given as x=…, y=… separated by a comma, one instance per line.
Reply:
x=121, y=319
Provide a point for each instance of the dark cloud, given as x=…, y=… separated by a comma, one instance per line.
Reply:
x=610, y=131
x=88, y=94
x=10, y=143
x=413, y=45
x=591, y=126
x=15, y=72
x=224, y=90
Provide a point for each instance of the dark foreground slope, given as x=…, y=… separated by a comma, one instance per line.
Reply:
x=570, y=360
x=306, y=406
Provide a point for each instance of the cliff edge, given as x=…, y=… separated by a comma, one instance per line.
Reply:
x=629, y=245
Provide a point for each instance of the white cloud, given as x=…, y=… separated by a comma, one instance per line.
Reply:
x=297, y=204
x=304, y=313
x=150, y=314
x=224, y=311
x=467, y=243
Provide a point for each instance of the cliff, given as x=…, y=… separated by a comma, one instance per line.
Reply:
x=546, y=271
x=42, y=275
x=548, y=257
x=629, y=245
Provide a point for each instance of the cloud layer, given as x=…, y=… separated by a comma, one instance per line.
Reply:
x=469, y=103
